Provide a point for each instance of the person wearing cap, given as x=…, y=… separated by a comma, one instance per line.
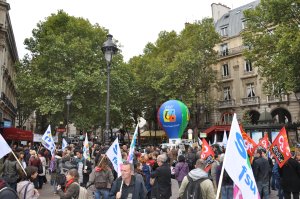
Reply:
x=261, y=171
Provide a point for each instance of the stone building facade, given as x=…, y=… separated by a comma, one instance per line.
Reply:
x=8, y=59
x=239, y=86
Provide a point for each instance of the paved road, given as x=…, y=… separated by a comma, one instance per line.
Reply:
x=47, y=191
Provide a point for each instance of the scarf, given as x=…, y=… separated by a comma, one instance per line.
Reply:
x=69, y=183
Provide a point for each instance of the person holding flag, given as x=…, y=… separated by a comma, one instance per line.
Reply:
x=48, y=142
x=64, y=144
x=207, y=154
x=289, y=167
x=237, y=164
x=84, y=168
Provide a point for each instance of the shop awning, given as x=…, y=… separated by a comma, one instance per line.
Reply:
x=217, y=129
x=16, y=134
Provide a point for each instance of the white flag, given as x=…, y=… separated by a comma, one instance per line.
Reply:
x=86, y=148
x=199, y=142
x=64, y=144
x=215, y=139
x=5, y=149
x=114, y=155
x=132, y=145
x=47, y=141
x=237, y=164
x=224, y=139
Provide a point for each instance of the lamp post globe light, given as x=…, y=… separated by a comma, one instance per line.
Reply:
x=68, y=101
x=109, y=48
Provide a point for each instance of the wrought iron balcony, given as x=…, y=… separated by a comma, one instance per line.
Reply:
x=231, y=51
x=8, y=103
x=250, y=100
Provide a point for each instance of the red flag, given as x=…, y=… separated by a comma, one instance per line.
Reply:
x=264, y=142
x=280, y=148
x=250, y=145
x=207, y=154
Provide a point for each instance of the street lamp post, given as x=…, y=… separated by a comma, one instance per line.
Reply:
x=68, y=100
x=109, y=49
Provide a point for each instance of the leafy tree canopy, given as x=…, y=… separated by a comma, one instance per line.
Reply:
x=66, y=58
x=274, y=39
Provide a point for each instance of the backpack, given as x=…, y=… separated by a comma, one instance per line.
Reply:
x=61, y=179
x=10, y=173
x=4, y=192
x=83, y=193
x=193, y=190
x=101, y=179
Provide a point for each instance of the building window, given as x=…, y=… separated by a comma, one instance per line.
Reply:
x=224, y=49
x=250, y=90
x=248, y=66
x=224, y=31
x=227, y=93
x=227, y=118
x=225, y=70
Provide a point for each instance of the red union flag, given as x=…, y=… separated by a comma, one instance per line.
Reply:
x=264, y=142
x=207, y=154
x=250, y=145
x=280, y=148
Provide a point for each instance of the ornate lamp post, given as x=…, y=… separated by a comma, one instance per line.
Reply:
x=69, y=101
x=109, y=49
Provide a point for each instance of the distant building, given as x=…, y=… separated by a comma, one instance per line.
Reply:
x=239, y=84
x=8, y=59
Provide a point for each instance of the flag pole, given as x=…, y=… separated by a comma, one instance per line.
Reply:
x=220, y=180
x=19, y=163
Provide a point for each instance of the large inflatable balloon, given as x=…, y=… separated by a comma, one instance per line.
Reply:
x=173, y=116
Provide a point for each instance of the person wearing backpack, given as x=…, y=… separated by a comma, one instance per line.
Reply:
x=6, y=191
x=72, y=187
x=25, y=188
x=11, y=171
x=197, y=184
x=102, y=177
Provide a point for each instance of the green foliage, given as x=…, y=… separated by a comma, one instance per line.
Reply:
x=177, y=66
x=274, y=39
x=65, y=58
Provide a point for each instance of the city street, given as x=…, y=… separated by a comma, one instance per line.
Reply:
x=47, y=191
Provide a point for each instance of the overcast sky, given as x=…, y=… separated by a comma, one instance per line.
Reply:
x=133, y=23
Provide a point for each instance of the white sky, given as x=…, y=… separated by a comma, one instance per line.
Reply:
x=133, y=23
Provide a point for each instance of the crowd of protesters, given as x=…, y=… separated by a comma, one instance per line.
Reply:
x=148, y=177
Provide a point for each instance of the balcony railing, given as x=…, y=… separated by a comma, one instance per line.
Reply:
x=250, y=100
x=231, y=51
x=275, y=99
x=226, y=103
x=8, y=103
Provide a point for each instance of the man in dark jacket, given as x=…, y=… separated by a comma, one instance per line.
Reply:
x=128, y=185
x=290, y=178
x=162, y=188
x=261, y=171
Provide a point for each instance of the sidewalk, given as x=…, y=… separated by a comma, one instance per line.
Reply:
x=47, y=191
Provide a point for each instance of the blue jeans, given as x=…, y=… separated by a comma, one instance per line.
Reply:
x=263, y=189
x=102, y=192
x=227, y=192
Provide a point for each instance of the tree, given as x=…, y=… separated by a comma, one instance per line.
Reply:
x=273, y=38
x=177, y=66
x=66, y=58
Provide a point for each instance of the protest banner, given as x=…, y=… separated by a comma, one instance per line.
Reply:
x=207, y=154
x=48, y=142
x=114, y=155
